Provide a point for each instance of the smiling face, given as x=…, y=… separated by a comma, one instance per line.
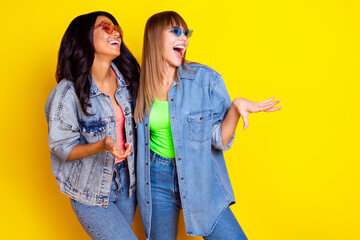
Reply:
x=106, y=45
x=174, y=47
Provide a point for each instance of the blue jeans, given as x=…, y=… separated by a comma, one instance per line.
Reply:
x=115, y=221
x=166, y=205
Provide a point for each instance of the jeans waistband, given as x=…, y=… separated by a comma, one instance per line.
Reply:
x=120, y=165
x=156, y=157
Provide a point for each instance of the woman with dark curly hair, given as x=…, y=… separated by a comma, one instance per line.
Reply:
x=91, y=128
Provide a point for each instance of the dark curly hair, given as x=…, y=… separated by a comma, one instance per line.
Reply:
x=76, y=56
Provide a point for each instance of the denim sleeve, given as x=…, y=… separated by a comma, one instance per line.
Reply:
x=221, y=102
x=63, y=126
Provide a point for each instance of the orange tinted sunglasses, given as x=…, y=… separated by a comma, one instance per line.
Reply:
x=109, y=28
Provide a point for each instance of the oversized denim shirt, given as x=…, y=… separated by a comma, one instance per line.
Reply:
x=198, y=103
x=87, y=180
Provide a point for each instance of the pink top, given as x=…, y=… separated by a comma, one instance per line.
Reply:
x=120, y=134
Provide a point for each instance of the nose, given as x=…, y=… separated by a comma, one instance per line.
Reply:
x=182, y=36
x=116, y=34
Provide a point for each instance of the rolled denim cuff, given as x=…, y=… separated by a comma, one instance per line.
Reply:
x=62, y=139
x=63, y=151
x=216, y=140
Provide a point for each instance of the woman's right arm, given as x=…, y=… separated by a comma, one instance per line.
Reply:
x=64, y=130
x=242, y=107
x=85, y=150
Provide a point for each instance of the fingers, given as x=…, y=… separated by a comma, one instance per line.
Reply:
x=245, y=120
x=273, y=109
x=120, y=154
x=245, y=107
x=267, y=100
x=115, y=147
x=128, y=147
x=266, y=106
x=116, y=150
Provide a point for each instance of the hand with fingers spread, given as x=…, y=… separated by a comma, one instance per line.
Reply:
x=245, y=107
x=116, y=150
x=242, y=107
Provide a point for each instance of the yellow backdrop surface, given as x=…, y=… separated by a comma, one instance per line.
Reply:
x=295, y=173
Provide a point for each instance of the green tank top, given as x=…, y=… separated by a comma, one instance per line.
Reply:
x=161, y=141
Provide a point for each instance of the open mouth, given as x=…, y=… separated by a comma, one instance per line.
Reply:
x=179, y=50
x=114, y=43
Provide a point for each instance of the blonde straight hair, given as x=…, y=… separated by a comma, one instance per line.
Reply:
x=151, y=74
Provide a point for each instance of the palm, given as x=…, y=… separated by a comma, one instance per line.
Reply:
x=115, y=149
x=245, y=107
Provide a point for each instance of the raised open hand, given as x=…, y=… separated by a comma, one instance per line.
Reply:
x=245, y=107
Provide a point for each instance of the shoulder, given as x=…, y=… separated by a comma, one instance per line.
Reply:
x=200, y=69
x=202, y=74
x=65, y=88
x=63, y=93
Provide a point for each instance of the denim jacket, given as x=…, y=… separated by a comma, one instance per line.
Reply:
x=197, y=106
x=87, y=180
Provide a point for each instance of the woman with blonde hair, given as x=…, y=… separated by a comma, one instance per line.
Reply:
x=185, y=121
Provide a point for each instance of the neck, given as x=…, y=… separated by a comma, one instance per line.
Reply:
x=169, y=74
x=101, y=70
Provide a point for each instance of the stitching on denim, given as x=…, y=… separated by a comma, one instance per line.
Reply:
x=218, y=219
x=78, y=172
x=221, y=185
x=70, y=176
x=158, y=158
x=163, y=161
x=202, y=125
x=173, y=181
x=60, y=106
x=152, y=156
x=91, y=175
x=187, y=216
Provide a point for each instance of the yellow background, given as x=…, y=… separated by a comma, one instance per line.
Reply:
x=295, y=173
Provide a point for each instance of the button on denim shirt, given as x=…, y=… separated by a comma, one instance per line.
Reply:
x=198, y=104
x=87, y=180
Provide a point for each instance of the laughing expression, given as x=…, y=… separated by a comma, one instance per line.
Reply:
x=106, y=45
x=174, y=48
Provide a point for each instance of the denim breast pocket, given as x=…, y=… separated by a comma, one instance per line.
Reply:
x=93, y=131
x=200, y=125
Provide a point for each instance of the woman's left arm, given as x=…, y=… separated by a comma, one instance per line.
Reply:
x=242, y=107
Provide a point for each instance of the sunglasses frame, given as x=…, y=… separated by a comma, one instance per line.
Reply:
x=187, y=32
x=111, y=28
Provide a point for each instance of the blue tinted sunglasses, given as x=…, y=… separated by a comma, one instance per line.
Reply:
x=177, y=31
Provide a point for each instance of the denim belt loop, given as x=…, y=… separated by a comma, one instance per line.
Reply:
x=152, y=156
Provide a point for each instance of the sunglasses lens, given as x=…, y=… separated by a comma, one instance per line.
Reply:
x=177, y=31
x=188, y=33
x=118, y=29
x=108, y=29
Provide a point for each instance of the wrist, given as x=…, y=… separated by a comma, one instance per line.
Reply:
x=235, y=107
x=102, y=144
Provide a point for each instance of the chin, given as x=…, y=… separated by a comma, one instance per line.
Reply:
x=177, y=63
x=116, y=54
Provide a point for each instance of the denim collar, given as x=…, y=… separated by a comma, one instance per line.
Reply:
x=94, y=91
x=186, y=73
